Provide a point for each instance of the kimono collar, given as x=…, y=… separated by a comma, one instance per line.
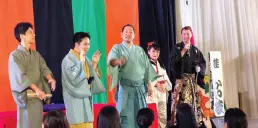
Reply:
x=153, y=62
x=85, y=66
x=20, y=47
x=156, y=65
x=125, y=44
x=75, y=53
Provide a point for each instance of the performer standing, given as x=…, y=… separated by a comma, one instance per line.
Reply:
x=161, y=85
x=28, y=72
x=130, y=66
x=80, y=81
x=188, y=64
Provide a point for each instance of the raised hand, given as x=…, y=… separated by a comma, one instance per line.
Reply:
x=82, y=55
x=96, y=56
x=52, y=83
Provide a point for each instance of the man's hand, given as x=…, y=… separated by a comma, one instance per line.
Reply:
x=179, y=82
x=52, y=83
x=96, y=56
x=118, y=62
x=82, y=55
x=41, y=95
x=122, y=61
x=160, y=87
x=184, y=50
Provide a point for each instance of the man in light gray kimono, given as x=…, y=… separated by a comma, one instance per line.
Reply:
x=28, y=72
x=130, y=67
x=80, y=81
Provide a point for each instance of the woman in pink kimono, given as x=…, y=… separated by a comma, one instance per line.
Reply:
x=161, y=85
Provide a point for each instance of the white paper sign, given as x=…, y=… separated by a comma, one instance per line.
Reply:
x=216, y=83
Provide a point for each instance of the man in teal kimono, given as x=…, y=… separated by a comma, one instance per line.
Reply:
x=80, y=81
x=28, y=72
x=130, y=67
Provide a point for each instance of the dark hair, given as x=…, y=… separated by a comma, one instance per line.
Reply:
x=21, y=28
x=145, y=117
x=185, y=116
x=153, y=45
x=235, y=118
x=55, y=119
x=108, y=118
x=186, y=28
x=126, y=26
x=78, y=37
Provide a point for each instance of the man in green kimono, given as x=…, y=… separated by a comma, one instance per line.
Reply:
x=80, y=81
x=28, y=72
x=130, y=67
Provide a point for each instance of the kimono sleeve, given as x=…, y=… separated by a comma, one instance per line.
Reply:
x=43, y=66
x=202, y=64
x=113, y=71
x=169, y=84
x=150, y=74
x=201, y=75
x=96, y=85
x=175, y=57
x=17, y=74
x=114, y=53
x=74, y=79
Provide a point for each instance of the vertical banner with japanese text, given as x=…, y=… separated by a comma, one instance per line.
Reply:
x=216, y=83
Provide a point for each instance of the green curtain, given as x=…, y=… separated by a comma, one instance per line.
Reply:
x=89, y=16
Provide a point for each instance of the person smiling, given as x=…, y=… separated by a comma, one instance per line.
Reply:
x=80, y=81
x=129, y=66
x=28, y=74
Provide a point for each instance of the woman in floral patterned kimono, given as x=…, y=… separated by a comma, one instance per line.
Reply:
x=161, y=85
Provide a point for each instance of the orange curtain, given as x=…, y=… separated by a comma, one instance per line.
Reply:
x=119, y=13
x=11, y=12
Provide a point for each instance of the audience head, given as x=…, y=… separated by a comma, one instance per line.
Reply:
x=108, y=118
x=185, y=116
x=55, y=119
x=235, y=118
x=145, y=117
